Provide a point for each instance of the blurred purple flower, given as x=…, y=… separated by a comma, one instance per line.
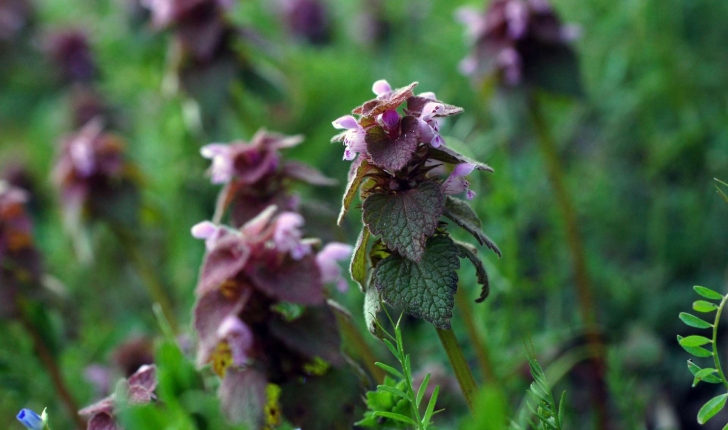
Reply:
x=509, y=36
x=71, y=52
x=238, y=337
x=15, y=15
x=328, y=262
x=287, y=235
x=307, y=19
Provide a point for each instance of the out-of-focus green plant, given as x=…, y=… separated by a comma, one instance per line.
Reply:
x=396, y=403
x=549, y=414
x=695, y=345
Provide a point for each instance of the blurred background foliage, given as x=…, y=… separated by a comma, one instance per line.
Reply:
x=640, y=150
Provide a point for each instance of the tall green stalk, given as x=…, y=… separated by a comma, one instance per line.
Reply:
x=584, y=289
x=457, y=360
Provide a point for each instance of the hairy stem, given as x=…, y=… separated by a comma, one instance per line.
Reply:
x=49, y=363
x=459, y=365
x=583, y=283
x=151, y=279
x=716, y=357
x=481, y=348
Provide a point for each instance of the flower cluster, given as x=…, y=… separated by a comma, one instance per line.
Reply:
x=307, y=20
x=198, y=24
x=513, y=39
x=261, y=314
x=71, y=54
x=15, y=16
x=138, y=389
x=20, y=263
x=93, y=175
x=399, y=162
x=256, y=175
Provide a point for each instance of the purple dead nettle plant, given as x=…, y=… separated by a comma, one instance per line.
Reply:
x=94, y=177
x=398, y=159
x=138, y=389
x=517, y=42
x=20, y=261
x=261, y=314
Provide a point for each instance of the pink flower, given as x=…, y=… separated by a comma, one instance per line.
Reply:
x=429, y=127
x=381, y=88
x=456, y=182
x=238, y=336
x=208, y=231
x=221, y=170
x=287, y=235
x=327, y=260
x=354, y=139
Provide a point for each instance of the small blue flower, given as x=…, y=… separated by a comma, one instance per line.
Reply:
x=30, y=419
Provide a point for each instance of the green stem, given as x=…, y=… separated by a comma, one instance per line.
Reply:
x=152, y=282
x=481, y=348
x=583, y=283
x=49, y=363
x=716, y=357
x=459, y=365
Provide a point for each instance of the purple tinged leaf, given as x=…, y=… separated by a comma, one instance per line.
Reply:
x=313, y=334
x=305, y=173
x=416, y=107
x=145, y=377
x=295, y=281
x=356, y=175
x=224, y=262
x=425, y=289
x=102, y=421
x=392, y=155
x=243, y=396
x=210, y=311
x=451, y=156
x=388, y=101
x=405, y=220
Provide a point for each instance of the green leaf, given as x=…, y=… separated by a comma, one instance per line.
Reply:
x=425, y=289
x=694, y=369
x=397, y=392
x=694, y=341
x=703, y=306
x=431, y=407
x=422, y=389
x=449, y=155
x=711, y=408
x=356, y=176
x=405, y=220
x=396, y=417
x=702, y=374
x=394, y=372
x=463, y=215
x=469, y=251
x=358, y=265
x=695, y=350
x=372, y=307
x=393, y=154
x=562, y=408
x=708, y=293
x=694, y=321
